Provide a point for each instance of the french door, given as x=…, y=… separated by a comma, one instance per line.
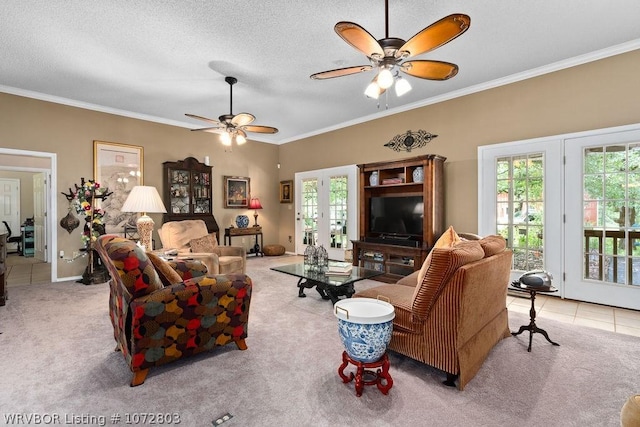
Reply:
x=521, y=200
x=583, y=223
x=326, y=209
x=603, y=218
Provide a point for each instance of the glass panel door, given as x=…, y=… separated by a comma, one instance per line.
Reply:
x=520, y=208
x=603, y=233
x=338, y=210
x=309, y=212
x=520, y=198
x=326, y=209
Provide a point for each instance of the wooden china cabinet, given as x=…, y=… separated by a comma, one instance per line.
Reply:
x=188, y=192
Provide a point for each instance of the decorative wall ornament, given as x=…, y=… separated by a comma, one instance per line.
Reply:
x=410, y=140
x=70, y=222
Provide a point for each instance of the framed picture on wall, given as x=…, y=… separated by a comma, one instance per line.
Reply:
x=119, y=168
x=286, y=191
x=236, y=192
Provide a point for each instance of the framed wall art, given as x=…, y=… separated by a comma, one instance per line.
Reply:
x=286, y=191
x=118, y=167
x=236, y=192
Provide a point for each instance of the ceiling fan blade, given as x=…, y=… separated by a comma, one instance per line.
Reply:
x=211, y=130
x=430, y=70
x=340, y=72
x=436, y=35
x=359, y=38
x=242, y=119
x=193, y=116
x=260, y=129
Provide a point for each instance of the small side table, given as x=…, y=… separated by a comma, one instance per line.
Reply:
x=380, y=377
x=532, y=327
x=256, y=230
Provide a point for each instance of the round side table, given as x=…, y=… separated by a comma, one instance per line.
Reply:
x=532, y=327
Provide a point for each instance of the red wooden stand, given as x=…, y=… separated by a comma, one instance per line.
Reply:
x=380, y=377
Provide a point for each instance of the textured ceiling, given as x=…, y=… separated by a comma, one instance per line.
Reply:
x=160, y=59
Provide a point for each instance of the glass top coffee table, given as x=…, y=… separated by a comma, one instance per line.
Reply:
x=330, y=287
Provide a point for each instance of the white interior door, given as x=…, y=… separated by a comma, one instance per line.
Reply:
x=39, y=216
x=520, y=198
x=327, y=209
x=603, y=218
x=10, y=208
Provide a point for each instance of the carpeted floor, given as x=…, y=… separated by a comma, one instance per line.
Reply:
x=56, y=357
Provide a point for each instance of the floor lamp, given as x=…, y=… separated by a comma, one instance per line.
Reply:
x=144, y=199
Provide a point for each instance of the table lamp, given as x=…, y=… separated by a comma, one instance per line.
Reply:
x=144, y=199
x=254, y=203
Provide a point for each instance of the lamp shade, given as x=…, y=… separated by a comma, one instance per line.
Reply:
x=144, y=198
x=254, y=203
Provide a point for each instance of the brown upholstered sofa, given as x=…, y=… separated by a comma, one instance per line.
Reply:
x=457, y=314
x=191, y=239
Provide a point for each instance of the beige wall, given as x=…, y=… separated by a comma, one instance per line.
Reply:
x=600, y=94
x=69, y=132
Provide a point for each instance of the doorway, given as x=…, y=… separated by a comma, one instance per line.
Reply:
x=36, y=169
x=573, y=210
x=327, y=209
x=603, y=218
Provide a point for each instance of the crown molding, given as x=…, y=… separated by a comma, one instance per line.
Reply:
x=535, y=72
x=557, y=66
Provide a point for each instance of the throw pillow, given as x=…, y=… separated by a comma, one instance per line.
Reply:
x=136, y=272
x=206, y=244
x=492, y=245
x=447, y=239
x=168, y=275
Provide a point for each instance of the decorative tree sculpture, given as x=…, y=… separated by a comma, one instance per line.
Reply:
x=85, y=197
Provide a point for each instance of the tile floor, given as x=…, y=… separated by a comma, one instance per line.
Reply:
x=612, y=319
x=24, y=271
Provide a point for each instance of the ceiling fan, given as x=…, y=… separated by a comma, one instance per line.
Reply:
x=388, y=55
x=233, y=127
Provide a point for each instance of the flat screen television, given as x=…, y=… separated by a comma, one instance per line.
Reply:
x=396, y=215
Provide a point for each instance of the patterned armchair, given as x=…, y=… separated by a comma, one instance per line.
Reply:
x=162, y=312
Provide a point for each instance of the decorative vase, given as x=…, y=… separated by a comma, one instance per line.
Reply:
x=365, y=326
x=418, y=174
x=322, y=258
x=309, y=257
x=373, y=178
x=242, y=221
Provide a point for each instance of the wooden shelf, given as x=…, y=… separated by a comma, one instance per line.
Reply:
x=398, y=261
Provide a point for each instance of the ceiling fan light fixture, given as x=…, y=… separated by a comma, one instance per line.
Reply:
x=385, y=78
x=402, y=86
x=225, y=138
x=373, y=90
x=240, y=139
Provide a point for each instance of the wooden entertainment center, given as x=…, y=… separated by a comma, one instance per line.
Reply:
x=398, y=254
